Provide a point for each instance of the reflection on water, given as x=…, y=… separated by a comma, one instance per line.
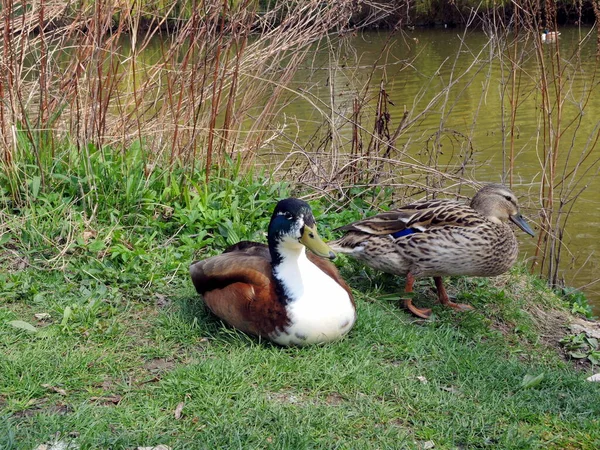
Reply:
x=418, y=66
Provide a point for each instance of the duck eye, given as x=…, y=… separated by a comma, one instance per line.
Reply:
x=508, y=197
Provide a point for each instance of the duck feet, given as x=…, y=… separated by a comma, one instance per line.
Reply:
x=459, y=306
x=445, y=300
x=423, y=313
x=408, y=304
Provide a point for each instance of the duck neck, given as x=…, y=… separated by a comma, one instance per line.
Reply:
x=486, y=210
x=286, y=260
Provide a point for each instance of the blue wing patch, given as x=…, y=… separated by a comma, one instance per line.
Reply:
x=404, y=232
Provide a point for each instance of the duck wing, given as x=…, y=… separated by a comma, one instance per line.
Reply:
x=238, y=287
x=418, y=216
x=250, y=248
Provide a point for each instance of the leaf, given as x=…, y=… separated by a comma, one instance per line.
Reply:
x=22, y=325
x=393, y=297
x=35, y=186
x=594, y=357
x=87, y=235
x=58, y=445
x=42, y=316
x=578, y=355
x=111, y=399
x=530, y=381
x=66, y=315
x=96, y=245
x=594, y=378
x=4, y=238
x=46, y=332
x=58, y=390
x=178, y=410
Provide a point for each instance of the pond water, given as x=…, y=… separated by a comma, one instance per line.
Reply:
x=456, y=88
x=417, y=66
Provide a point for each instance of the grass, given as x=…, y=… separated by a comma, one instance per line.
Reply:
x=104, y=342
x=125, y=354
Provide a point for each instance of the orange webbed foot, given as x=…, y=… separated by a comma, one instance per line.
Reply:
x=459, y=306
x=423, y=313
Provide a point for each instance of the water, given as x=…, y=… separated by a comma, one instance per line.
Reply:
x=455, y=87
x=418, y=66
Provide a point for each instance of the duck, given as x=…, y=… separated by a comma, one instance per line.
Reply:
x=438, y=238
x=279, y=291
x=550, y=36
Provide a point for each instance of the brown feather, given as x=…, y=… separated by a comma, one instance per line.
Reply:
x=238, y=287
x=448, y=238
x=422, y=215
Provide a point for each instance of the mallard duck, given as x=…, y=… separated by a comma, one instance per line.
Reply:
x=550, y=36
x=436, y=238
x=279, y=292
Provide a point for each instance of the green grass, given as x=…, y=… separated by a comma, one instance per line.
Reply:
x=127, y=339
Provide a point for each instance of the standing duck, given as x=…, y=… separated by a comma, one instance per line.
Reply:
x=436, y=238
x=279, y=292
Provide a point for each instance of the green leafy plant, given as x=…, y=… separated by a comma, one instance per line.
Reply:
x=581, y=346
x=576, y=301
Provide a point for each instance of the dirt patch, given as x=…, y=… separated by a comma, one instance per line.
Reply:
x=397, y=423
x=551, y=321
x=153, y=370
x=108, y=385
x=109, y=388
x=159, y=365
x=502, y=327
x=286, y=397
x=334, y=399
x=41, y=407
x=12, y=261
x=138, y=325
x=296, y=398
x=108, y=400
x=553, y=325
x=162, y=301
x=59, y=408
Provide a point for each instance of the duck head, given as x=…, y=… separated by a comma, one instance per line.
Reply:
x=499, y=204
x=293, y=226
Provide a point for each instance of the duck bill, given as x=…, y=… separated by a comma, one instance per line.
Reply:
x=310, y=238
x=519, y=221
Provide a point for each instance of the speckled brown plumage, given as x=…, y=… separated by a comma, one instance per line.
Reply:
x=435, y=238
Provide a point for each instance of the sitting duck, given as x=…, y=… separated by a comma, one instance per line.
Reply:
x=279, y=291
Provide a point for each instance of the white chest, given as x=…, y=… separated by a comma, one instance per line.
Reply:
x=320, y=310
